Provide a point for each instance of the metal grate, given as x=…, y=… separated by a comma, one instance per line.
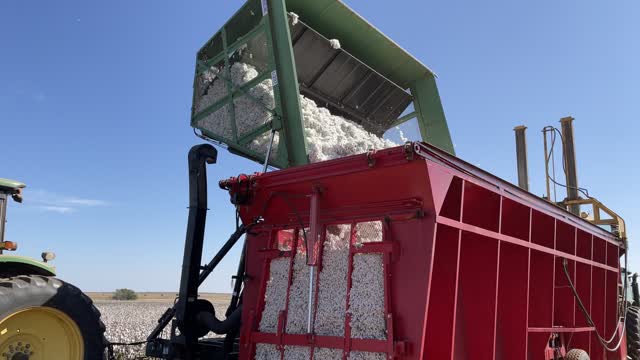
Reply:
x=368, y=232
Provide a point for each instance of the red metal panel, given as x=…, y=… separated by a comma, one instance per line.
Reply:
x=475, y=318
x=473, y=265
x=515, y=219
x=563, y=298
x=541, y=294
x=511, y=336
x=598, y=299
x=440, y=320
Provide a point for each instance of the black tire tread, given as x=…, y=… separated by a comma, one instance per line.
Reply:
x=632, y=327
x=24, y=291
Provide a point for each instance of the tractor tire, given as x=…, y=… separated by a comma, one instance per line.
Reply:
x=576, y=354
x=43, y=317
x=632, y=327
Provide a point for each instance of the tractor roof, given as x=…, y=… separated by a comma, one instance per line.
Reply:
x=6, y=184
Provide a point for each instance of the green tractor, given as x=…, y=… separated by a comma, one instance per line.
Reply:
x=41, y=316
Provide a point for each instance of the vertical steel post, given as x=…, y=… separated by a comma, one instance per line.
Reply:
x=287, y=81
x=431, y=119
x=313, y=250
x=569, y=158
x=546, y=165
x=3, y=212
x=521, y=157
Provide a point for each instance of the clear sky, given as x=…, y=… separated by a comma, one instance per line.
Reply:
x=95, y=102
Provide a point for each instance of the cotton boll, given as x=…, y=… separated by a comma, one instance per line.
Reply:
x=401, y=134
x=294, y=18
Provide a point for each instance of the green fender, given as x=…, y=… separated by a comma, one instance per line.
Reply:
x=25, y=266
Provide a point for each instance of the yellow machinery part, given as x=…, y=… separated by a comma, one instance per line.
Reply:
x=40, y=333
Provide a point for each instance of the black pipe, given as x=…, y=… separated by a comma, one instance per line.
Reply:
x=185, y=314
x=219, y=327
x=233, y=239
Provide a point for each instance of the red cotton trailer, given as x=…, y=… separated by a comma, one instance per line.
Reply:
x=411, y=253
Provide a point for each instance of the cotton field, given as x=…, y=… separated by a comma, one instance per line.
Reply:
x=132, y=321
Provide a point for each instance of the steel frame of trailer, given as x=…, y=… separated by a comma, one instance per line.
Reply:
x=472, y=264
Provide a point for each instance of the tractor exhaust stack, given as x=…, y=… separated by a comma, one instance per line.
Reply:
x=569, y=158
x=521, y=156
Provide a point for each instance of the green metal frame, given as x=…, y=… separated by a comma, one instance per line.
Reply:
x=333, y=19
x=30, y=265
x=292, y=122
x=238, y=144
x=431, y=119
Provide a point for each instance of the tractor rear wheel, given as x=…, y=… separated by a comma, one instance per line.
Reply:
x=576, y=354
x=633, y=332
x=42, y=317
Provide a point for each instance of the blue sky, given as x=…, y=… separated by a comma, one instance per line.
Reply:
x=95, y=100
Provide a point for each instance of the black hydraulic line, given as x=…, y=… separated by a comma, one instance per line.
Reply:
x=604, y=342
x=553, y=131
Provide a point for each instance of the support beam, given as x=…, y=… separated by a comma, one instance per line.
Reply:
x=569, y=156
x=287, y=84
x=3, y=214
x=431, y=119
x=521, y=157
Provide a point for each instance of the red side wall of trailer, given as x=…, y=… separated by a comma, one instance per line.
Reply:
x=473, y=265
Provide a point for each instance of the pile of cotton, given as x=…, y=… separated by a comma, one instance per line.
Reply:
x=365, y=304
x=328, y=136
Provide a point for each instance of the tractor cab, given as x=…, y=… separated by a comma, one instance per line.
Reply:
x=13, y=189
x=632, y=290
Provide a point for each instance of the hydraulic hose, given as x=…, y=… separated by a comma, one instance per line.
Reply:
x=604, y=342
